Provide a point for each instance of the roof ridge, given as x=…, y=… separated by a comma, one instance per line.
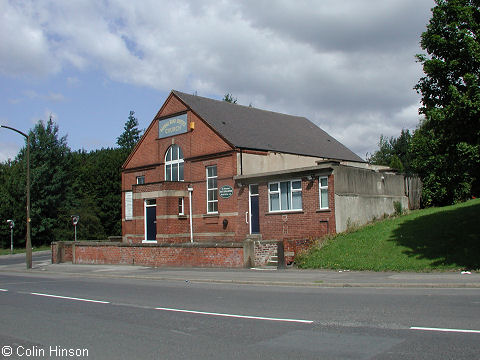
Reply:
x=244, y=106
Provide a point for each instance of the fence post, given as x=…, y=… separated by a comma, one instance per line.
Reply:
x=280, y=255
x=248, y=254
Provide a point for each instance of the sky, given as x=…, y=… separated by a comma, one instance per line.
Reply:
x=347, y=65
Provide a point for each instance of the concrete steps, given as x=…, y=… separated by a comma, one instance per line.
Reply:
x=273, y=261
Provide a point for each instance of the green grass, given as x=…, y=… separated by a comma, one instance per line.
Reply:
x=22, y=250
x=446, y=238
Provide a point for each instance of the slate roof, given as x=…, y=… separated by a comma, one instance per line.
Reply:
x=250, y=128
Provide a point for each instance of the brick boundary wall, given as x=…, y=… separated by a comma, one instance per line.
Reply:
x=61, y=251
x=229, y=255
x=264, y=249
x=249, y=253
x=294, y=247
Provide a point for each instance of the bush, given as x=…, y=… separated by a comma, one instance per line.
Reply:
x=397, y=205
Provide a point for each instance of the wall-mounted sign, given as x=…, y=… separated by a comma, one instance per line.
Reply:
x=172, y=126
x=225, y=191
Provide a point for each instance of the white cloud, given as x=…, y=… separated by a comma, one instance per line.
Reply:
x=50, y=96
x=73, y=81
x=9, y=150
x=24, y=46
x=348, y=66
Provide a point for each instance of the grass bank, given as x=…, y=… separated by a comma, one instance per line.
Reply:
x=22, y=250
x=446, y=238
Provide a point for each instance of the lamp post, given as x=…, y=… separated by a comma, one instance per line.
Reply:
x=28, y=255
x=11, y=223
x=190, y=191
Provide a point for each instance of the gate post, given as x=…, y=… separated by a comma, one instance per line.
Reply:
x=280, y=255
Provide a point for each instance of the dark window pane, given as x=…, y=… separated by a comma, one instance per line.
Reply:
x=168, y=173
x=285, y=195
x=180, y=172
x=175, y=172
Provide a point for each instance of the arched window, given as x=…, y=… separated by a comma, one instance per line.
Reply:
x=174, y=164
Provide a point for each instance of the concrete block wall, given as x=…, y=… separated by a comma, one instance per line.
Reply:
x=362, y=195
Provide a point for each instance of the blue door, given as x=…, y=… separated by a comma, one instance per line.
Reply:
x=150, y=220
x=254, y=210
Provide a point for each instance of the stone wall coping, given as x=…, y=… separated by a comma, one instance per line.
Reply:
x=161, y=245
x=266, y=241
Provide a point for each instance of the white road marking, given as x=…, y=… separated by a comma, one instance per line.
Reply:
x=235, y=316
x=71, y=298
x=445, y=330
x=3, y=290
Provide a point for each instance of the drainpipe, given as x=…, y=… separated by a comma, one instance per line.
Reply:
x=241, y=162
x=190, y=191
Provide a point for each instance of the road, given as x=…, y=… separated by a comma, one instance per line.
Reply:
x=20, y=258
x=109, y=318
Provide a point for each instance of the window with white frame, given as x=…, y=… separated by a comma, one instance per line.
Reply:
x=212, y=190
x=174, y=164
x=141, y=180
x=285, y=195
x=181, y=209
x=323, y=191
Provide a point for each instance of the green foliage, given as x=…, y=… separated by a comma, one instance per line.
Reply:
x=49, y=179
x=63, y=183
x=397, y=205
x=424, y=240
x=97, y=194
x=229, y=98
x=12, y=202
x=131, y=134
x=22, y=250
x=446, y=146
x=396, y=163
x=394, y=151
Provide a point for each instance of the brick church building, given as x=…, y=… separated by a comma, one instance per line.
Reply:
x=211, y=171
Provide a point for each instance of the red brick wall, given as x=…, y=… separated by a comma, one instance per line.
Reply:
x=208, y=255
x=310, y=223
x=264, y=250
x=198, y=146
x=61, y=251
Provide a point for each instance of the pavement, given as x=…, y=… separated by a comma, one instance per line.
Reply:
x=260, y=276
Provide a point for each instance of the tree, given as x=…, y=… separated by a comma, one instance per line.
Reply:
x=447, y=143
x=12, y=202
x=229, y=98
x=50, y=180
x=63, y=183
x=396, y=163
x=394, y=152
x=131, y=134
x=97, y=188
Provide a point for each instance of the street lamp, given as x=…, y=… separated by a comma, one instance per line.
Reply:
x=28, y=255
x=11, y=223
x=190, y=191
